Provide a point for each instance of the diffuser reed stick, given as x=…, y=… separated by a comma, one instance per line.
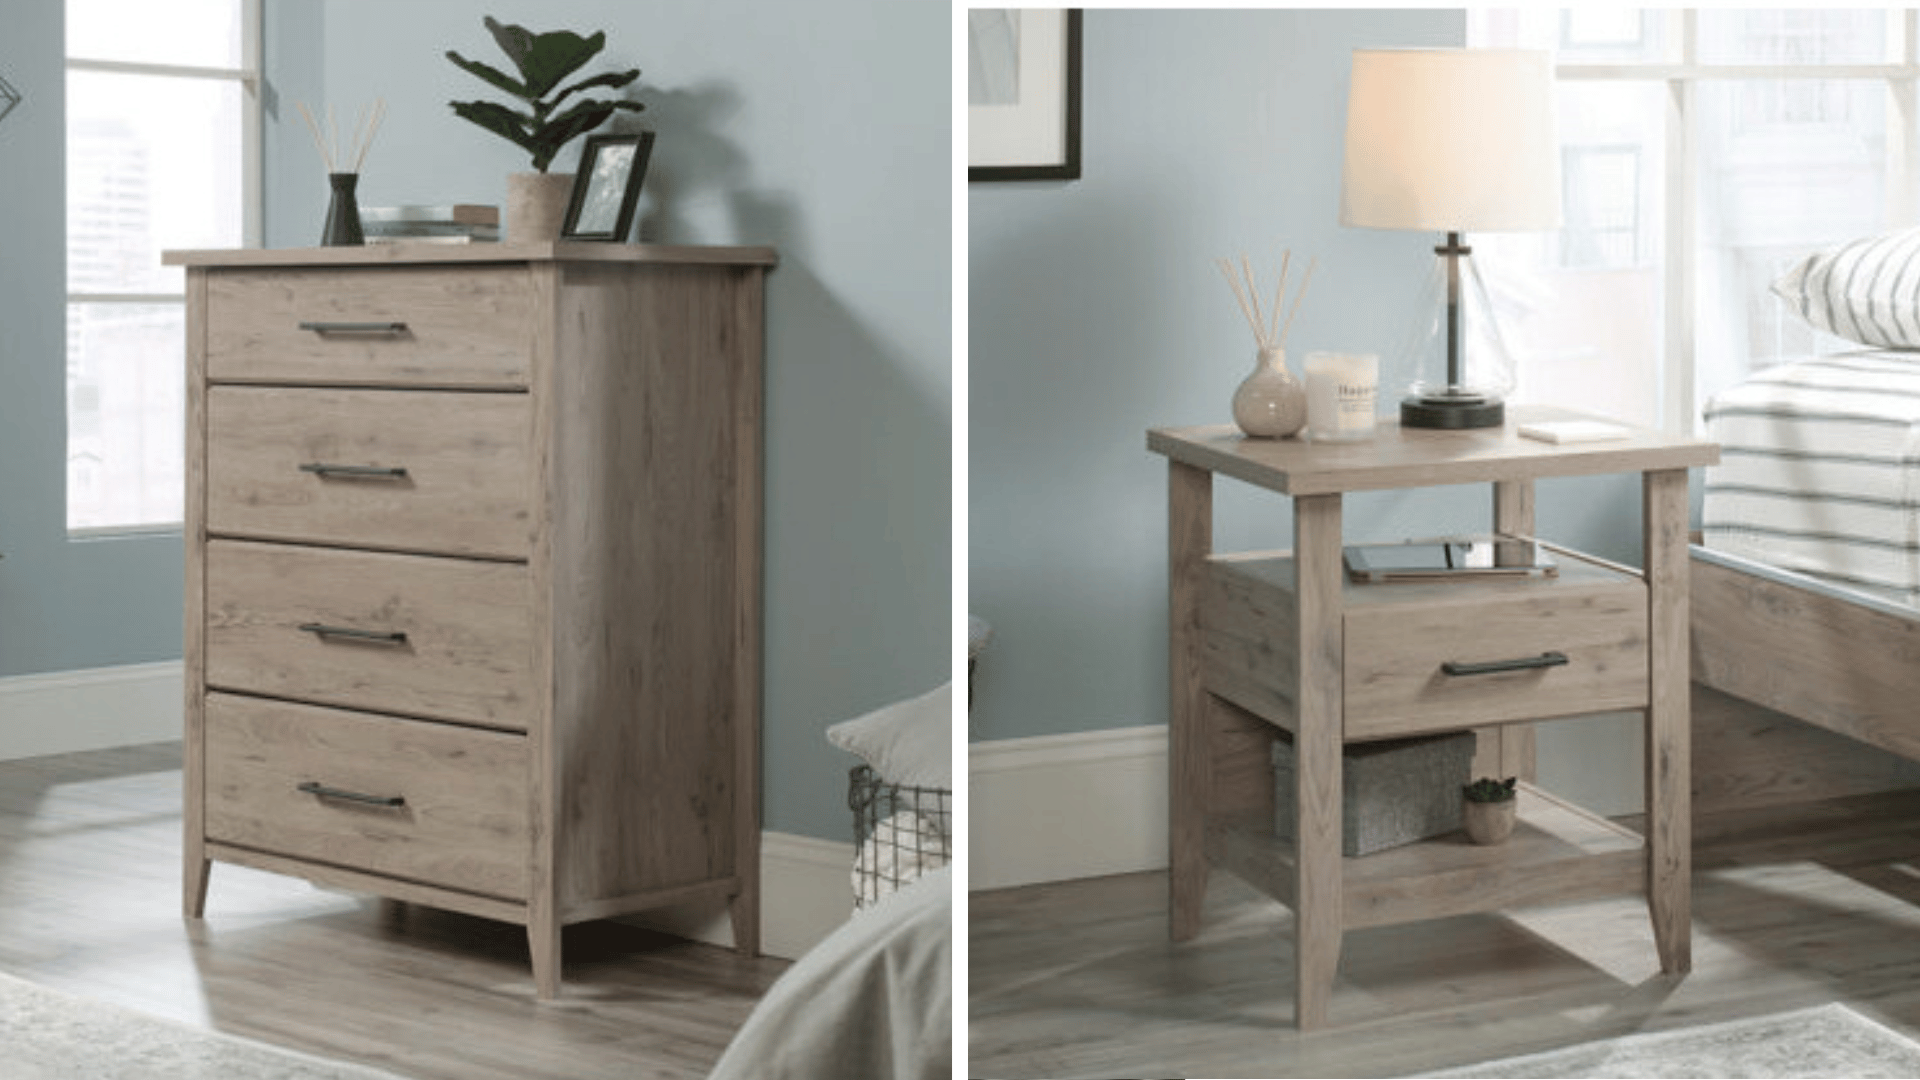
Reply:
x=1268, y=331
x=333, y=155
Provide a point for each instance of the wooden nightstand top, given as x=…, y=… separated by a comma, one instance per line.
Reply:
x=1401, y=458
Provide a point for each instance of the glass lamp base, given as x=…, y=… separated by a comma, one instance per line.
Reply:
x=1452, y=412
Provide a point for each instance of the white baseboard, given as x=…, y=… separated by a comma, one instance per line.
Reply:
x=1056, y=807
x=62, y=712
x=806, y=890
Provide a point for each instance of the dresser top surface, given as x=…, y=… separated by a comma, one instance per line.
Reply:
x=427, y=254
x=1399, y=458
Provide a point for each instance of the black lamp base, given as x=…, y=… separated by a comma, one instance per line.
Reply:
x=1452, y=412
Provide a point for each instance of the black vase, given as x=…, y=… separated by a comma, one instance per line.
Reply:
x=343, y=213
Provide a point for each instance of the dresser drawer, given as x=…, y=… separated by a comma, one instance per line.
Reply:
x=406, y=798
x=419, y=636
x=1527, y=652
x=371, y=326
x=431, y=471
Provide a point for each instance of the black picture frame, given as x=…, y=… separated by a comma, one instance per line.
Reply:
x=1065, y=165
x=606, y=187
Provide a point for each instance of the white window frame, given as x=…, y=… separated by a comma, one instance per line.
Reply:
x=251, y=138
x=1900, y=77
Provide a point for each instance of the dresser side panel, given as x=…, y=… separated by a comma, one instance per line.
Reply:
x=649, y=590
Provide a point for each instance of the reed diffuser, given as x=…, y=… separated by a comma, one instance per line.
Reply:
x=1270, y=403
x=343, y=162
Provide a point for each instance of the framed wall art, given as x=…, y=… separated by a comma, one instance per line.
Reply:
x=1023, y=94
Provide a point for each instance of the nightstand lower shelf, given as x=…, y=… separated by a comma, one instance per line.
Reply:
x=1558, y=852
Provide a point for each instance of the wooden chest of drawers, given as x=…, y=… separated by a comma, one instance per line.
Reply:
x=473, y=564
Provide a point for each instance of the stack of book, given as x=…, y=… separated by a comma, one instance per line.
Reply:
x=460, y=223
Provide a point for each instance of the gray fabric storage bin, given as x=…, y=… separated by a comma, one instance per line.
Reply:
x=1392, y=792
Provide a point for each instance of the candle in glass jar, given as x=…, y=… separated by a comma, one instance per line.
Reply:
x=1341, y=390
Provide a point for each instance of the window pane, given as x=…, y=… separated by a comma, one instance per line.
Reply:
x=1793, y=36
x=195, y=33
x=152, y=163
x=1786, y=167
x=125, y=402
x=1595, y=34
x=1583, y=306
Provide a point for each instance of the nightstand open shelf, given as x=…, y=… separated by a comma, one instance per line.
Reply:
x=1267, y=642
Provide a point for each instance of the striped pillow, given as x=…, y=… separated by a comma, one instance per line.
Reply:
x=1866, y=291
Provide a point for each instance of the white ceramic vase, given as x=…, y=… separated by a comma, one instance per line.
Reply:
x=537, y=205
x=1489, y=822
x=1270, y=403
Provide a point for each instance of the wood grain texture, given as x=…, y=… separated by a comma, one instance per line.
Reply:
x=462, y=824
x=1747, y=756
x=1317, y=743
x=195, y=866
x=468, y=329
x=1668, y=741
x=1189, y=541
x=1796, y=906
x=468, y=640
x=1799, y=651
x=1401, y=457
x=436, y=992
x=534, y=253
x=1508, y=750
x=467, y=487
x=584, y=565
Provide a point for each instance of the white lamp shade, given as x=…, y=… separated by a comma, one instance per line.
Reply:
x=1451, y=140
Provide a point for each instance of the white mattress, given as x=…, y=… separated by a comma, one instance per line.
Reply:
x=1820, y=470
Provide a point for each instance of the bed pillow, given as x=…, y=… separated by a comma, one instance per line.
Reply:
x=1867, y=291
x=908, y=742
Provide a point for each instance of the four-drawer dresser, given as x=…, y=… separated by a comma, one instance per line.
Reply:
x=473, y=576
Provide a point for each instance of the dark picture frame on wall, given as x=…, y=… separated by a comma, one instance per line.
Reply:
x=606, y=187
x=1023, y=94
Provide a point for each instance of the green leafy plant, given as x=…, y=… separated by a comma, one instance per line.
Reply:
x=1487, y=789
x=544, y=61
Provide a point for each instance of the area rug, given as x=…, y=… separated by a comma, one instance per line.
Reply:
x=48, y=1035
x=1826, y=1041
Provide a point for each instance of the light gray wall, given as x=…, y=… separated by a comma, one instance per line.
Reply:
x=64, y=604
x=1095, y=312
x=820, y=128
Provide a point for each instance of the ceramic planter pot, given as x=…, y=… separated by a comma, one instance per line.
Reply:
x=1489, y=822
x=537, y=205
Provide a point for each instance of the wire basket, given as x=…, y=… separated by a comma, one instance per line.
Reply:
x=901, y=832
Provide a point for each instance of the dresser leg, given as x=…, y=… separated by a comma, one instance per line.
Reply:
x=198, y=869
x=1189, y=541
x=744, y=910
x=1317, y=741
x=543, y=936
x=1669, y=769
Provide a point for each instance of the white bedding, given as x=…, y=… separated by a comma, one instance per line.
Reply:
x=1820, y=470
x=873, y=1001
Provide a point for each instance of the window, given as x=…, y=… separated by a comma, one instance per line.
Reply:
x=162, y=122
x=1705, y=152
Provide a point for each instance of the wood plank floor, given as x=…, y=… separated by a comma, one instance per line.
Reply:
x=1792, y=907
x=90, y=904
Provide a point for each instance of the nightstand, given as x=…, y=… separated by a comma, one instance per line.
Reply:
x=1282, y=641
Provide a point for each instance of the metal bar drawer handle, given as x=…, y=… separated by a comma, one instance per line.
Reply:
x=1491, y=667
x=377, y=637
x=393, y=328
x=325, y=792
x=355, y=472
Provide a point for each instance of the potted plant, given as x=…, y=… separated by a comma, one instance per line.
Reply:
x=537, y=201
x=1489, y=810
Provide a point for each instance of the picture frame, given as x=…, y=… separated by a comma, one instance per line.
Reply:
x=606, y=187
x=1023, y=94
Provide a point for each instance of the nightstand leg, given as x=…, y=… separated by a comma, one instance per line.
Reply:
x=1189, y=542
x=1318, y=870
x=198, y=869
x=543, y=939
x=1508, y=750
x=1669, y=771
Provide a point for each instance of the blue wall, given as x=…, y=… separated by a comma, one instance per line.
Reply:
x=820, y=128
x=1095, y=312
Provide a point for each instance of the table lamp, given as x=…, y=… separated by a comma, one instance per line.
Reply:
x=1453, y=141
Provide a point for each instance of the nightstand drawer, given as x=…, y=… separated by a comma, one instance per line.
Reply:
x=450, y=639
x=400, y=326
x=431, y=471
x=406, y=798
x=1552, y=648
